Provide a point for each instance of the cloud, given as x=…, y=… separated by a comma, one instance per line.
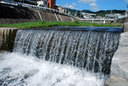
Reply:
x=69, y=6
x=94, y=6
x=87, y=1
x=74, y=4
x=92, y=3
x=126, y=0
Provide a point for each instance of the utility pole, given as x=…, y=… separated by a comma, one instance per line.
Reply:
x=126, y=14
x=76, y=13
x=68, y=8
x=111, y=12
x=76, y=10
x=127, y=5
x=41, y=3
x=80, y=14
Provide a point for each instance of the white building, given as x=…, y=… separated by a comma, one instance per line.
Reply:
x=126, y=13
x=43, y=3
x=62, y=9
x=112, y=16
x=88, y=15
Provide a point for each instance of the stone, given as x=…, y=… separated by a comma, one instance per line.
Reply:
x=119, y=66
x=126, y=27
x=116, y=81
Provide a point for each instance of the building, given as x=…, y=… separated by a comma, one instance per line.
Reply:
x=43, y=3
x=88, y=15
x=62, y=9
x=126, y=13
x=52, y=4
x=113, y=16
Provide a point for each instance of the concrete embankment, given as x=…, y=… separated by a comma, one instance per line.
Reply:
x=119, y=68
x=126, y=26
x=7, y=37
x=16, y=14
x=122, y=20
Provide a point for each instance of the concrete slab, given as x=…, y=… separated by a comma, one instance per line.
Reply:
x=119, y=67
x=116, y=81
x=126, y=27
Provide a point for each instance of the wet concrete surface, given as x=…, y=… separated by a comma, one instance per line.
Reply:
x=119, y=67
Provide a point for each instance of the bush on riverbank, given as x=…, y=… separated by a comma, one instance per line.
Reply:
x=52, y=24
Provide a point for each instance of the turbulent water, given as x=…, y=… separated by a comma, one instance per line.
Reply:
x=58, y=58
x=21, y=70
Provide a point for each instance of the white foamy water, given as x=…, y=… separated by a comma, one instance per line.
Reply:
x=21, y=70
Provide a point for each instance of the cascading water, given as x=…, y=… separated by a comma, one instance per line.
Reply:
x=86, y=50
x=86, y=57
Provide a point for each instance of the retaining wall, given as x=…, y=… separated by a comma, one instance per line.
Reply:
x=122, y=20
x=16, y=14
x=13, y=21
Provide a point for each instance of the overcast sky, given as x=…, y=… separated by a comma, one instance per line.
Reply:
x=94, y=5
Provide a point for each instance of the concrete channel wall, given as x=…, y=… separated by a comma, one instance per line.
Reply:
x=16, y=14
x=125, y=26
x=119, y=67
x=7, y=38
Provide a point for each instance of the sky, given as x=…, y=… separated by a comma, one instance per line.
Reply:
x=94, y=5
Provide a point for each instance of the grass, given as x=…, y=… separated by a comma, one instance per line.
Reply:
x=42, y=24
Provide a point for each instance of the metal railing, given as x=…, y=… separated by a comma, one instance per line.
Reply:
x=96, y=20
x=99, y=19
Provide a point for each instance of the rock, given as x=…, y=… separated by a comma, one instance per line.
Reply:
x=126, y=27
x=119, y=66
x=116, y=81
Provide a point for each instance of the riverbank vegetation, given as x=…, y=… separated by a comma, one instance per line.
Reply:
x=43, y=24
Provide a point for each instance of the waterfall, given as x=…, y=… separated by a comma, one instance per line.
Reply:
x=89, y=50
x=59, y=57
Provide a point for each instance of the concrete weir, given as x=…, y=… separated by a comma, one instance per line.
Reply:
x=7, y=37
x=119, y=68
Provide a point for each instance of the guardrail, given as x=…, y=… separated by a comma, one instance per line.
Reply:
x=100, y=19
x=96, y=20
